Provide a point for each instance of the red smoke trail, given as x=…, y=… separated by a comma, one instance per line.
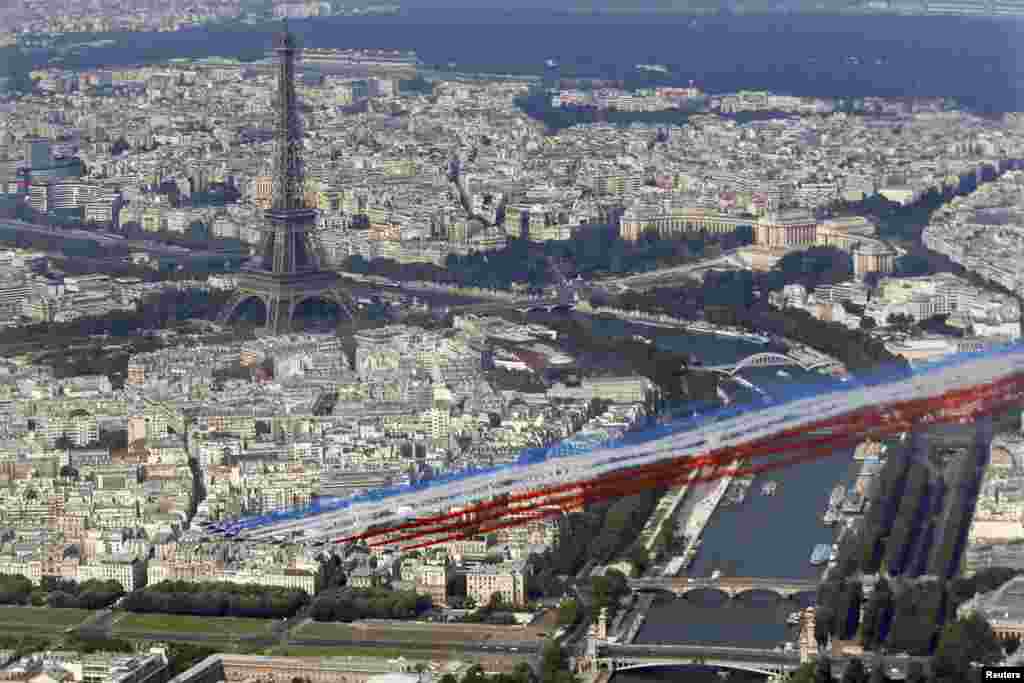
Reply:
x=717, y=457
x=899, y=417
x=630, y=479
x=901, y=411
x=660, y=471
x=627, y=479
x=598, y=490
x=550, y=512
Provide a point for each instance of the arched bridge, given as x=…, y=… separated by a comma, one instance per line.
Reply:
x=733, y=587
x=548, y=307
x=615, y=657
x=767, y=359
x=633, y=657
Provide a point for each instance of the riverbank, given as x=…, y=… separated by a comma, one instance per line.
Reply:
x=664, y=321
x=744, y=539
x=703, y=511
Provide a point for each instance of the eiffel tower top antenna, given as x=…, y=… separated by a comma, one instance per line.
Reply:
x=289, y=170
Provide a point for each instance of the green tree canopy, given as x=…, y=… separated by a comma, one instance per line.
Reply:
x=805, y=674
x=568, y=612
x=554, y=667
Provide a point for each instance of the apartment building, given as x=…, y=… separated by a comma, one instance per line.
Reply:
x=130, y=572
x=506, y=580
x=432, y=579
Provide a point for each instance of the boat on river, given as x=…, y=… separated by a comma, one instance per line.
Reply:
x=836, y=499
x=821, y=553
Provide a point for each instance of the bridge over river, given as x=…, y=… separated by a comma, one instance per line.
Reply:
x=787, y=589
x=769, y=359
x=771, y=662
x=633, y=657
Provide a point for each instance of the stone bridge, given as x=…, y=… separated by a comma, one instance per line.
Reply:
x=755, y=660
x=774, y=663
x=733, y=587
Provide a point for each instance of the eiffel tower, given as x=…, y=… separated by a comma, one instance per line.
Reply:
x=289, y=268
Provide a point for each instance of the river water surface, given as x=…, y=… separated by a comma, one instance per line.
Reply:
x=764, y=536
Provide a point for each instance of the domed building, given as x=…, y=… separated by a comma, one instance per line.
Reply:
x=873, y=257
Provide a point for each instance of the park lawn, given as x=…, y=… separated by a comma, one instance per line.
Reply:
x=184, y=623
x=38, y=619
x=325, y=631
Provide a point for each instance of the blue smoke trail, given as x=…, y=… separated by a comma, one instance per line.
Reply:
x=675, y=424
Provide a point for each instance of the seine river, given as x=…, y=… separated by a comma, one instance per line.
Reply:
x=764, y=536
x=679, y=674
x=711, y=349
